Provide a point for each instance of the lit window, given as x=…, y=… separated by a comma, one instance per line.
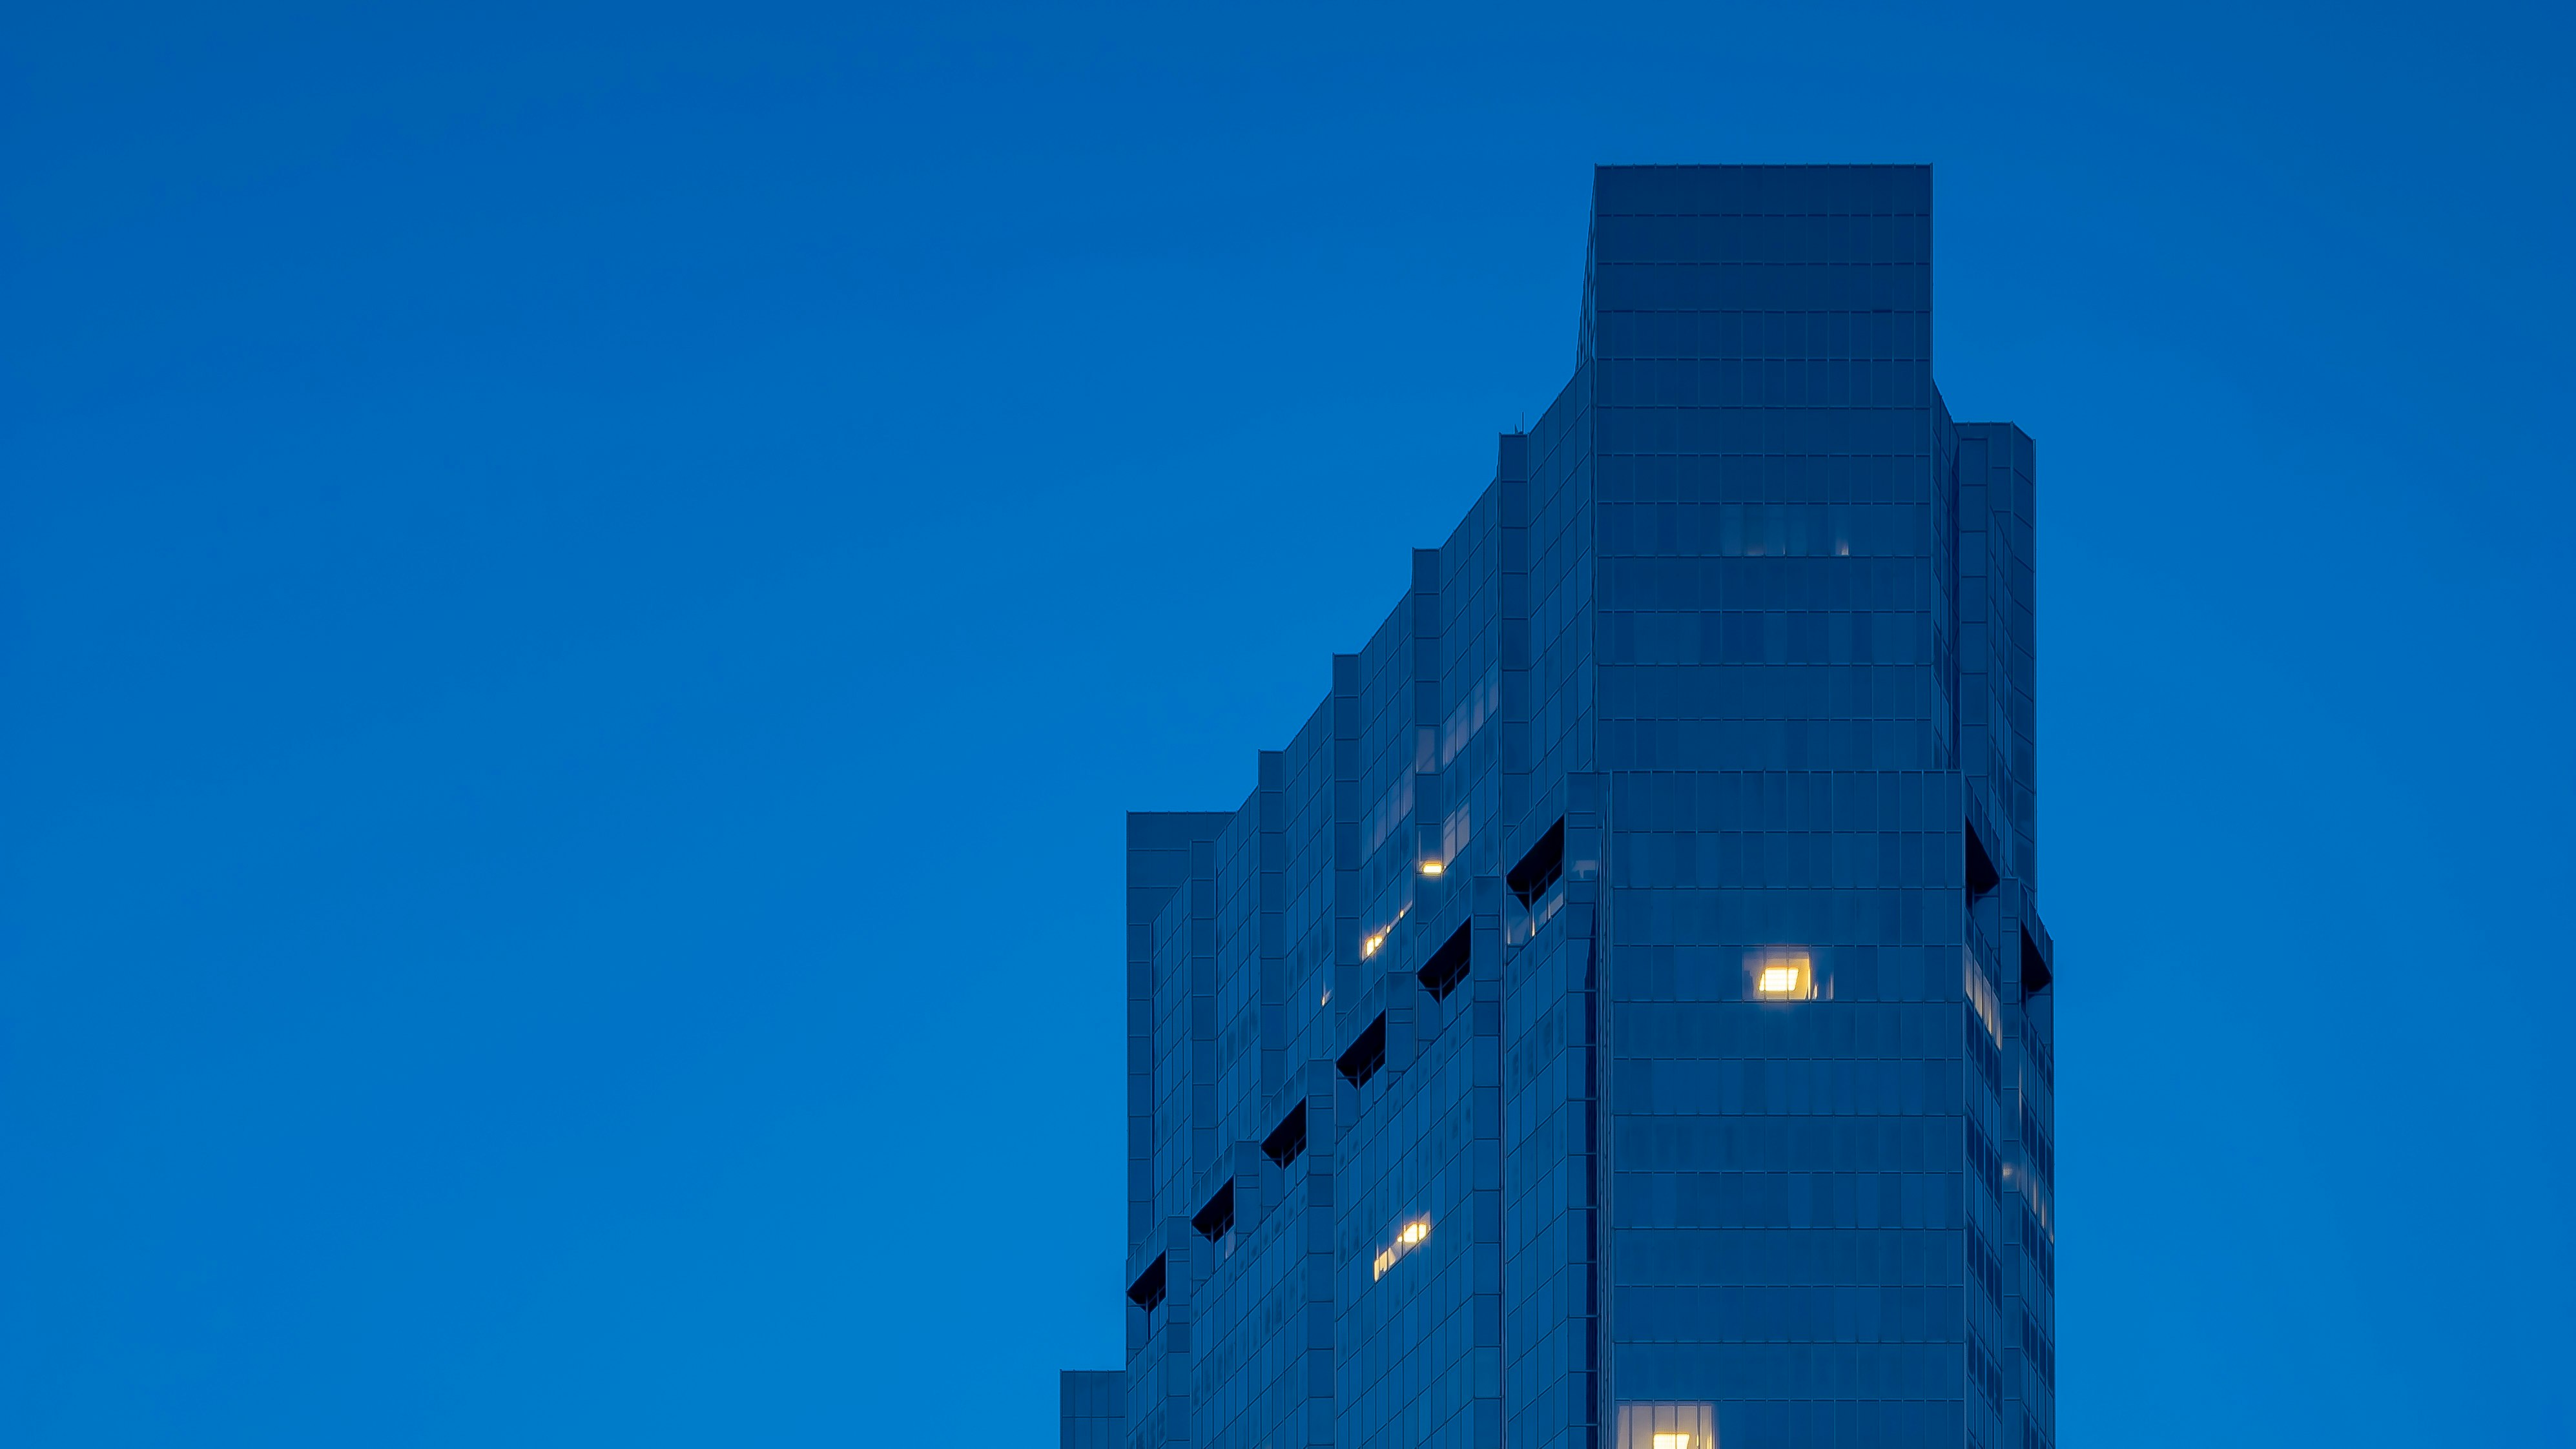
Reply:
x=1407, y=1238
x=1433, y=867
x=1667, y=1426
x=1779, y=975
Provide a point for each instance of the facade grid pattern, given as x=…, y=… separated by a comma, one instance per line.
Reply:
x=1620, y=1017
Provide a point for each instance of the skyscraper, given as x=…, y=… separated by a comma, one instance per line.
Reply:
x=1620, y=1016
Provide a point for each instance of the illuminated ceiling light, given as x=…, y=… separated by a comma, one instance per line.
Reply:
x=1779, y=980
x=1433, y=867
x=1672, y=1441
x=1369, y=946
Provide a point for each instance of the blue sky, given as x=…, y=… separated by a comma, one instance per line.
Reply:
x=584, y=589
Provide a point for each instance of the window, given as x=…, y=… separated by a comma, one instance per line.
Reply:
x=1448, y=966
x=1216, y=1219
x=1988, y=1273
x=1287, y=1141
x=1982, y=875
x=1410, y=1236
x=1779, y=973
x=1667, y=1426
x=2035, y=1145
x=2034, y=967
x=1540, y=868
x=1147, y=1291
x=1366, y=1053
x=1982, y=1156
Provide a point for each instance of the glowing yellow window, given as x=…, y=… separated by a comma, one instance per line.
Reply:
x=1434, y=867
x=1667, y=1426
x=1407, y=1238
x=1780, y=976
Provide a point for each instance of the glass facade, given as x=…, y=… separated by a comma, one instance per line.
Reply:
x=1620, y=1016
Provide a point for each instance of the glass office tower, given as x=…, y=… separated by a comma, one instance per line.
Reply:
x=1620, y=1016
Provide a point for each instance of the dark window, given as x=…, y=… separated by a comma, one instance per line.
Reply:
x=1983, y=1267
x=1981, y=1155
x=1540, y=868
x=2041, y=1353
x=2035, y=1145
x=1287, y=1141
x=1216, y=1219
x=2041, y=1255
x=1367, y=1053
x=1990, y=1379
x=1983, y=1051
x=2034, y=967
x=1448, y=966
x=1982, y=875
x=1147, y=1291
